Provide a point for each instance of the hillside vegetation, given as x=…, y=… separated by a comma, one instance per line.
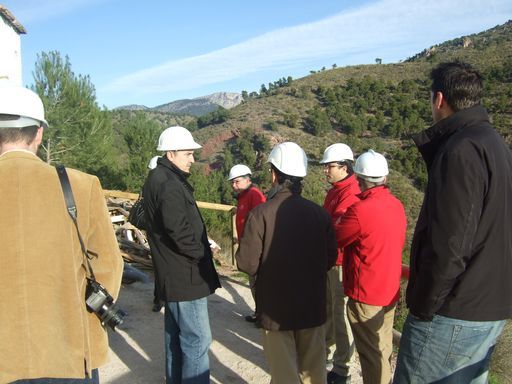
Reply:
x=370, y=106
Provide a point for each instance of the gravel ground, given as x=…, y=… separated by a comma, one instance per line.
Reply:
x=236, y=354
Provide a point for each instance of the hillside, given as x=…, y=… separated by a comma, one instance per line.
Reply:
x=270, y=113
x=366, y=106
x=494, y=42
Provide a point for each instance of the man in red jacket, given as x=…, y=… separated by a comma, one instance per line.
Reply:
x=248, y=197
x=372, y=233
x=337, y=161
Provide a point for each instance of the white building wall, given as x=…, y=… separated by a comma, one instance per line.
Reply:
x=10, y=52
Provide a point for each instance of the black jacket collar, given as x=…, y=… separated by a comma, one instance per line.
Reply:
x=429, y=140
x=182, y=176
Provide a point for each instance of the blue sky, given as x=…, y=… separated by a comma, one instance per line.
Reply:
x=158, y=51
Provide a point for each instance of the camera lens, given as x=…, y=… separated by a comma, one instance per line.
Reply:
x=116, y=318
x=111, y=316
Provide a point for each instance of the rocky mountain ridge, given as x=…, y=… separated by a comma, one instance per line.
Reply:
x=197, y=107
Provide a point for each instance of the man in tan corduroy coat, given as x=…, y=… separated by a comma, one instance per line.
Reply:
x=45, y=328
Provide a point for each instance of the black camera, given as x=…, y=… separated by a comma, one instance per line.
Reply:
x=100, y=302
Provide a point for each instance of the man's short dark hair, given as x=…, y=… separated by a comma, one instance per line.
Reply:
x=460, y=84
x=349, y=165
x=294, y=183
x=17, y=135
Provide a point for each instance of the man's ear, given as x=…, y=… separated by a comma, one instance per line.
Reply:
x=441, y=107
x=438, y=100
x=39, y=136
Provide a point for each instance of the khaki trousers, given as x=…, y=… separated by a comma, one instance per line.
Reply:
x=338, y=334
x=296, y=357
x=372, y=327
x=252, y=286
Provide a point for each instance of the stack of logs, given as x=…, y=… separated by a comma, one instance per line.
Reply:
x=132, y=241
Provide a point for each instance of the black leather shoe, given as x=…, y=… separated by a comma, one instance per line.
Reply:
x=334, y=378
x=250, y=318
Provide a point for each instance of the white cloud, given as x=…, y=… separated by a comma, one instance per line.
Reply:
x=386, y=26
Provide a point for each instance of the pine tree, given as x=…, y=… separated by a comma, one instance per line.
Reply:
x=80, y=133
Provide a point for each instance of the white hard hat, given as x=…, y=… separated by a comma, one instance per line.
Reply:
x=152, y=163
x=20, y=101
x=290, y=159
x=337, y=152
x=239, y=170
x=371, y=166
x=175, y=139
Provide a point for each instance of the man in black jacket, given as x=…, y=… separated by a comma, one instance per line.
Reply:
x=184, y=270
x=461, y=258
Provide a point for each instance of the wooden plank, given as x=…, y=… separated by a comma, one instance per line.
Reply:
x=215, y=206
x=136, y=259
x=124, y=195
x=118, y=219
x=200, y=204
x=133, y=245
x=112, y=194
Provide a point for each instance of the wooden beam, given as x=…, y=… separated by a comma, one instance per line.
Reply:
x=121, y=194
x=136, y=259
x=215, y=206
x=200, y=204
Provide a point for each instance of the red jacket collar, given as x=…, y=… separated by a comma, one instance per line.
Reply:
x=243, y=193
x=347, y=182
x=373, y=191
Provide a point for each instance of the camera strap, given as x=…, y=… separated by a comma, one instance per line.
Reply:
x=71, y=206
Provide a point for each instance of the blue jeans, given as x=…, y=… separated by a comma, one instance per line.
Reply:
x=446, y=350
x=187, y=341
x=94, y=379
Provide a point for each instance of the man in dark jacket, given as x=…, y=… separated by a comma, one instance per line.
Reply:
x=184, y=270
x=289, y=244
x=461, y=257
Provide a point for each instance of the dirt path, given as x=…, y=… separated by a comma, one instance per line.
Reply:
x=236, y=355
